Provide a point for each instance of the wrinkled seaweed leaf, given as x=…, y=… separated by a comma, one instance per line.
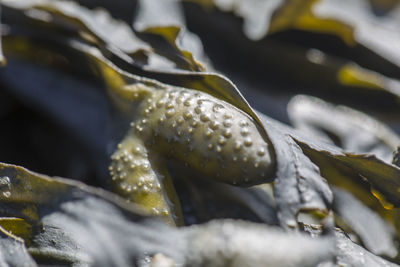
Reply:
x=83, y=225
x=372, y=137
x=299, y=185
x=166, y=31
x=204, y=200
x=383, y=177
x=349, y=253
x=375, y=233
x=74, y=223
x=351, y=130
x=13, y=251
x=350, y=171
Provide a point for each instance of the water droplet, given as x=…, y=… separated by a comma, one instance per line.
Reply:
x=261, y=152
x=165, y=212
x=170, y=113
x=227, y=133
x=188, y=115
x=205, y=117
x=146, y=167
x=199, y=110
x=179, y=99
x=139, y=129
x=208, y=133
x=243, y=123
x=140, y=182
x=160, y=103
x=227, y=123
x=214, y=125
x=238, y=146
x=222, y=141
x=244, y=132
x=248, y=142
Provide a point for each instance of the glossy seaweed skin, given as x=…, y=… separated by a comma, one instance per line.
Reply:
x=210, y=136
